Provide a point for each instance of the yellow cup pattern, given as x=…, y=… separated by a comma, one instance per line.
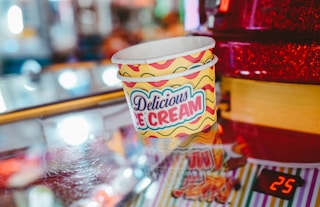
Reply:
x=167, y=66
x=166, y=120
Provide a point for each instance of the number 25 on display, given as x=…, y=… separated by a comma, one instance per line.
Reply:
x=277, y=184
x=283, y=182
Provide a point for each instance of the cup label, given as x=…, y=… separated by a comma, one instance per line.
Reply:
x=166, y=108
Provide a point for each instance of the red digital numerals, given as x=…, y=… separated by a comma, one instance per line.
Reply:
x=284, y=183
x=277, y=184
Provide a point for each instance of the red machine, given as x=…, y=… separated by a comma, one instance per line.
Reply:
x=269, y=73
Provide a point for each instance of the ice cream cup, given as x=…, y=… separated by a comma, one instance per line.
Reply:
x=174, y=105
x=165, y=56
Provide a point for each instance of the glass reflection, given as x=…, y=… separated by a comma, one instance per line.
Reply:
x=74, y=130
x=37, y=86
x=15, y=19
x=109, y=75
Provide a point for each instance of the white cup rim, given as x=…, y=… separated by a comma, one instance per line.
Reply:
x=135, y=58
x=169, y=76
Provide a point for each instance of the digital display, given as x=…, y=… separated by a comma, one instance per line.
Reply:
x=277, y=184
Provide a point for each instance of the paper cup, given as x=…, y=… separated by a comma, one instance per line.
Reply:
x=174, y=105
x=163, y=57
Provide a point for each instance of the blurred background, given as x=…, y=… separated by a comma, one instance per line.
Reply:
x=59, y=89
x=45, y=32
x=55, y=50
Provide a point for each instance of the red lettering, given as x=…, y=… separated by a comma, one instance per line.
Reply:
x=194, y=159
x=139, y=119
x=152, y=119
x=201, y=160
x=207, y=159
x=167, y=117
x=173, y=114
x=196, y=105
x=184, y=111
x=163, y=118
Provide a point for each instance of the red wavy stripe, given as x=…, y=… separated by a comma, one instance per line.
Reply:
x=192, y=76
x=162, y=66
x=207, y=127
x=195, y=59
x=134, y=67
x=208, y=87
x=182, y=134
x=206, y=130
x=196, y=120
x=210, y=110
x=158, y=83
x=129, y=84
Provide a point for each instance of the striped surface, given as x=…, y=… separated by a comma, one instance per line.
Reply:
x=307, y=195
x=202, y=80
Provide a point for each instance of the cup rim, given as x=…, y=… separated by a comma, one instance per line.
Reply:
x=116, y=58
x=169, y=76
